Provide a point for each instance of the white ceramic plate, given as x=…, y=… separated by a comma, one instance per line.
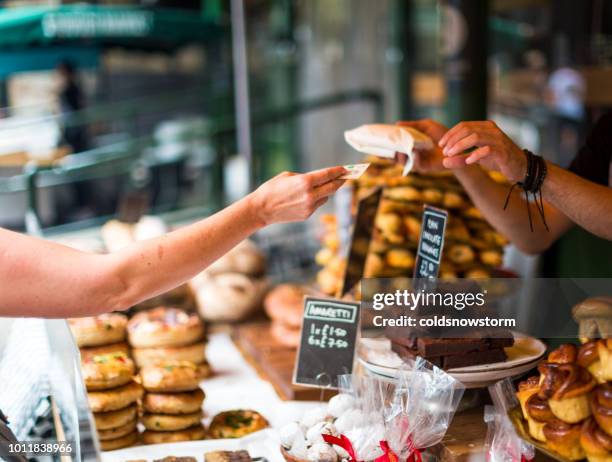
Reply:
x=377, y=358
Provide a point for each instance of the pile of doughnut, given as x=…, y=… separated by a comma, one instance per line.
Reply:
x=569, y=406
x=472, y=247
x=108, y=373
x=232, y=288
x=168, y=346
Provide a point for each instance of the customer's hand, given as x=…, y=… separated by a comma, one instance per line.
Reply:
x=492, y=148
x=294, y=197
x=432, y=159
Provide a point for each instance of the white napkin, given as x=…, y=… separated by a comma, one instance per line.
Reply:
x=385, y=140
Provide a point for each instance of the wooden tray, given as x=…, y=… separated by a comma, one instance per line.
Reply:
x=274, y=362
x=520, y=425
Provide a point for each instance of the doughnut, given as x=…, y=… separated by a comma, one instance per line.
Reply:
x=235, y=424
x=285, y=303
x=148, y=356
x=389, y=223
x=117, y=432
x=403, y=193
x=400, y=258
x=173, y=376
x=491, y=258
x=288, y=336
x=102, y=372
x=432, y=196
x=461, y=254
x=453, y=200
x=189, y=434
x=121, y=347
x=169, y=422
x=114, y=419
x=117, y=398
x=118, y=443
x=98, y=330
x=164, y=327
x=173, y=403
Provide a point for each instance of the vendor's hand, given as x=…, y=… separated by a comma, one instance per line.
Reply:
x=294, y=197
x=430, y=160
x=493, y=149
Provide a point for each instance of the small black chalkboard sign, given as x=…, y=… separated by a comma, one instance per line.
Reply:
x=328, y=340
x=431, y=243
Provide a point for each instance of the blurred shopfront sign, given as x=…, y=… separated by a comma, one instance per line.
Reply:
x=90, y=24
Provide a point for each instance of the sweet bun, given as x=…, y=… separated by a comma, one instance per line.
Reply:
x=400, y=258
x=228, y=296
x=118, y=443
x=453, y=200
x=567, y=386
x=604, y=349
x=98, y=330
x=117, y=398
x=374, y=265
x=164, y=327
x=235, y=424
x=565, y=354
x=173, y=376
x=432, y=196
x=601, y=406
x=285, y=303
x=102, y=372
x=461, y=254
x=403, y=193
x=491, y=258
x=173, y=403
x=90, y=352
x=114, y=419
x=596, y=443
x=169, y=422
x=245, y=258
x=147, y=356
x=117, y=432
x=189, y=434
x=564, y=439
x=588, y=357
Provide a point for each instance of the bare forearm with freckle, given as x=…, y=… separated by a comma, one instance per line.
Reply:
x=43, y=279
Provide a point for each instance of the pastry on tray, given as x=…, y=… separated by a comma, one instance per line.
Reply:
x=236, y=423
x=102, y=372
x=173, y=403
x=227, y=456
x=173, y=376
x=115, y=398
x=194, y=433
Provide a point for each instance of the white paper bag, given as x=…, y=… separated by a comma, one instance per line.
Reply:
x=385, y=140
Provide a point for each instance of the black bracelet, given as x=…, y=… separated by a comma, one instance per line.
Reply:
x=532, y=184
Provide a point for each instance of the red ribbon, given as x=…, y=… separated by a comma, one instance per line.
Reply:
x=343, y=442
x=388, y=456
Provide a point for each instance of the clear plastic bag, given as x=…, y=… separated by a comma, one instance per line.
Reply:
x=502, y=443
x=422, y=409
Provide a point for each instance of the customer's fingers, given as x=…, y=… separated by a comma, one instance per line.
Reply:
x=456, y=133
x=324, y=175
x=327, y=189
x=454, y=162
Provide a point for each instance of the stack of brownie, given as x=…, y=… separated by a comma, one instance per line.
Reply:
x=450, y=353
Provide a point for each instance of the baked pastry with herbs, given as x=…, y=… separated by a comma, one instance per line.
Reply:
x=98, y=330
x=173, y=376
x=115, y=419
x=237, y=423
x=173, y=403
x=169, y=422
x=164, y=327
x=115, y=398
x=102, y=372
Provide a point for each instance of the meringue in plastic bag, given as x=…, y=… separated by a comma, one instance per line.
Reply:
x=384, y=140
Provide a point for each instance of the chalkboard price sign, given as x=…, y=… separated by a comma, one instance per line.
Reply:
x=431, y=242
x=327, y=345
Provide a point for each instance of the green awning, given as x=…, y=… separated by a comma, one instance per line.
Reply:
x=106, y=25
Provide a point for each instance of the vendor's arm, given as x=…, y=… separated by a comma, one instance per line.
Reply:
x=45, y=279
x=489, y=196
x=568, y=197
